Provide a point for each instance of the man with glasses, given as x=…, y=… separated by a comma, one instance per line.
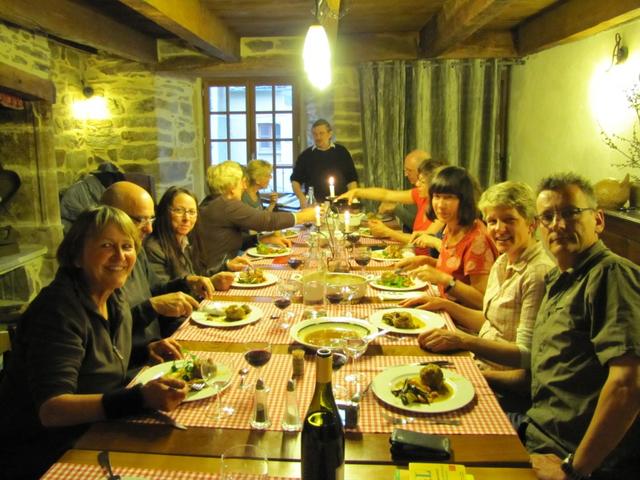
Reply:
x=154, y=305
x=585, y=363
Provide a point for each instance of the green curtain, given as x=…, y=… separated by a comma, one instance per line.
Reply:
x=451, y=108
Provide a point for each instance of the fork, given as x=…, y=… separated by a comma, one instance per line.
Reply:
x=169, y=420
x=105, y=463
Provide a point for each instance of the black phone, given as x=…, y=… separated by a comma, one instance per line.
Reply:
x=409, y=445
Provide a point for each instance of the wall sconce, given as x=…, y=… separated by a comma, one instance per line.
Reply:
x=317, y=53
x=620, y=52
x=92, y=107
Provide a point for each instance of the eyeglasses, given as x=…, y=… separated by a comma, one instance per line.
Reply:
x=569, y=214
x=143, y=221
x=183, y=211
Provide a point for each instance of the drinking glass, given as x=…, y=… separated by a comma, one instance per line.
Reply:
x=362, y=257
x=353, y=238
x=240, y=461
x=295, y=261
x=257, y=354
x=334, y=293
x=209, y=371
x=287, y=289
x=354, y=347
x=339, y=359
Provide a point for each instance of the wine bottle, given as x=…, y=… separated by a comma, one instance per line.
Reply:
x=322, y=432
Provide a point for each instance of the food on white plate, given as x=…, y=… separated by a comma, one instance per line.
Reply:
x=232, y=313
x=252, y=276
x=188, y=370
x=393, y=251
x=329, y=336
x=396, y=280
x=265, y=249
x=428, y=387
x=403, y=320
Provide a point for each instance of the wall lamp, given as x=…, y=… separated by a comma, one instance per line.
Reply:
x=91, y=107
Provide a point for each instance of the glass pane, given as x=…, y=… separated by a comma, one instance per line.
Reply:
x=263, y=98
x=217, y=99
x=284, y=153
x=284, y=97
x=265, y=151
x=238, y=125
x=218, y=152
x=239, y=152
x=237, y=99
x=218, y=127
x=283, y=184
x=264, y=127
x=284, y=125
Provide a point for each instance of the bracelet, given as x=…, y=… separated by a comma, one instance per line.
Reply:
x=124, y=402
x=567, y=467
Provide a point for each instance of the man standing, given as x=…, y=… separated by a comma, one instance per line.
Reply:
x=585, y=362
x=321, y=161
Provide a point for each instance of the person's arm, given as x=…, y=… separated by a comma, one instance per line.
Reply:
x=469, y=295
x=617, y=409
x=297, y=189
x=379, y=194
x=352, y=185
x=470, y=318
x=380, y=230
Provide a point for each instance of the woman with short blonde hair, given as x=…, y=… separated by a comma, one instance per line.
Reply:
x=259, y=173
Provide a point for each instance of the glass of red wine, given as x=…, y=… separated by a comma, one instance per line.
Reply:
x=287, y=289
x=294, y=261
x=334, y=293
x=362, y=256
x=353, y=238
x=257, y=354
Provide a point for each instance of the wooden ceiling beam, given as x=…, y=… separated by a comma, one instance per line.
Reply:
x=572, y=20
x=455, y=22
x=193, y=22
x=80, y=24
x=26, y=85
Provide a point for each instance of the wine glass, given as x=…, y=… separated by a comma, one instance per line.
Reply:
x=334, y=293
x=354, y=348
x=286, y=291
x=257, y=354
x=241, y=461
x=295, y=261
x=209, y=371
x=339, y=359
x=353, y=238
x=362, y=257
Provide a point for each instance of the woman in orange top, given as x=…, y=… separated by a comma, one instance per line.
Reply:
x=467, y=252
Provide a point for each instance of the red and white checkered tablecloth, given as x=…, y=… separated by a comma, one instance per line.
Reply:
x=482, y=416
x=78, y=471
x=270, y=330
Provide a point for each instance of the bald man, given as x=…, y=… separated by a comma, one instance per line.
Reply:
x=406, y=214
x=153, y=303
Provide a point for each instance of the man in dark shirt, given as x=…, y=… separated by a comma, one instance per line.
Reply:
x=585, y=354
x=321, y=161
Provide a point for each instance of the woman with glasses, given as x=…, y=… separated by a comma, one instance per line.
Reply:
x=259, y=174
x=168, y=247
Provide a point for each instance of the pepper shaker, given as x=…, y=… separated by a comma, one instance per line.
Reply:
x=260, y=420
x=291, y=419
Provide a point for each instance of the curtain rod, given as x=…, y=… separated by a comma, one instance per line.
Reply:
x=425, y=63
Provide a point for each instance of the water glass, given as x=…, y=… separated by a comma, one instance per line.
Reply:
x=242, y=460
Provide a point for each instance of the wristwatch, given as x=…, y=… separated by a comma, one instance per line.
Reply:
x=572, y=473
x=450, y=285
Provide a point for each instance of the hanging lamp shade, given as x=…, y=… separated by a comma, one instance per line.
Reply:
x=317, y=57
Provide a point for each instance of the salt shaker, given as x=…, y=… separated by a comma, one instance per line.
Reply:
x=260, y=420
x=291, y=419
x=297, y=362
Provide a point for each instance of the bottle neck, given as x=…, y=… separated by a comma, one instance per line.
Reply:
x=323, y=370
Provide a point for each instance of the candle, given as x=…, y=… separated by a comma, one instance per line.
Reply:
x=332, y=189
x=317, y=215
x=347, y=221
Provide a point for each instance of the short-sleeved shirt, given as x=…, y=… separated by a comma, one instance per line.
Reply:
x=474, y=254
x=513, y=296
x=314, y=167
x=590, y=315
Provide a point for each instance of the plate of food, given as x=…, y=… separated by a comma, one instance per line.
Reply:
x=423, y=389
x=187, y=369
x=268, y=251
x=392, y=253
x=254, y=278
x=323, y=332
x=290, y=233
x=406, y=320
x=226, y=315
x=397, y=282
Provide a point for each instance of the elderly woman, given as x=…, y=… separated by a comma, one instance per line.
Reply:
x=225, y=220
x=466, y=253
x=72, y=347
x=168, y=249
x=259, y=175
x=514, y=290
x=418, y=196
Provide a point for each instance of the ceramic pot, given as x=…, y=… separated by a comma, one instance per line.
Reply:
x=611, y=193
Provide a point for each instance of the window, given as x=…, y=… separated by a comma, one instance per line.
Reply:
x=253, y=119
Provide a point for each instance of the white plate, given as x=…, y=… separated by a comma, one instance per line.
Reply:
x=160, y=370
x=417, y=285
x=290, y=232
x=254, y=253
x=270, y=279
x=300, y=330
x=365, y=232
x=202, y=317
x=377, y=255
x=385, y=381
x=431, y=320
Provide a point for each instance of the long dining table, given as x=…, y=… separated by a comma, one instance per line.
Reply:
x=189, y=440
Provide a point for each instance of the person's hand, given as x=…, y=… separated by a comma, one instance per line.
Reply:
x=349, y=195
x=386, y=207
x=276, y=240
x=177, y=304
x=378, y=229
x=222, y=281
x=547, y=466
x=425, y=240
x=164, y=350
x=431, y=274
x=441, y=340
x=238, y=264
x=273, y=200
x=164, y=393
x=425, y=299
x=308, y=215
x=411, y=263
x=200, y=286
